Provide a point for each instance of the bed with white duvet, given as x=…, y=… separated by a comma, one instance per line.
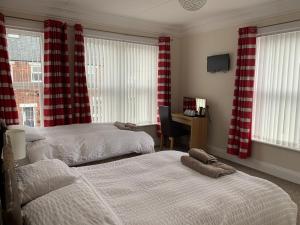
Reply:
x=156, y=189
x=83, y=143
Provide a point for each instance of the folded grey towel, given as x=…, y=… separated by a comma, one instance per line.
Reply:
x=202, y=156
x=125, y=126
x=228, y=169
x=205, y=169
x=131, y=126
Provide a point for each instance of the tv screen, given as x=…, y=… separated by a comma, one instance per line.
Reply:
x=217, y=63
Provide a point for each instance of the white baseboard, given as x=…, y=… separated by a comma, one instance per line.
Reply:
x=265, y=167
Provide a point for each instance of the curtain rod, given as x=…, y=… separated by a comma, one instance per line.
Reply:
x=275, y=24
x=93, y=29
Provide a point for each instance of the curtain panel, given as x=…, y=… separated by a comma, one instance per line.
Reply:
x=57, y=91
x=239, y=140
x=164, y=76
x=8, y=107
x=82, y=111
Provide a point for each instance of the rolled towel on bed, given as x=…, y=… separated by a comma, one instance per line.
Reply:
x=131, y=126
x=125, y=126
x=202, y=156
x=227, y=168
x=205, y=169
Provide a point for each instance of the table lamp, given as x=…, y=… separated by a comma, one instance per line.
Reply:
x=16, y=138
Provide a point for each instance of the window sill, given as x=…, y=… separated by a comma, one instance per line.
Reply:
x=275, y=145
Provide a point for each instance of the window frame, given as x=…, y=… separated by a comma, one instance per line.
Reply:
x=120, y=38
x=29, y=105
x=11, y=63
x=266, y=31
x=28, y=29
x=32, y=73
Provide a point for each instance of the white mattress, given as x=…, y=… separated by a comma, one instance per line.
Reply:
x=81, y=143
x=156, y=189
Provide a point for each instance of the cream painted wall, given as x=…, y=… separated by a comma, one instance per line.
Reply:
x=218, y=89
x=175, y=73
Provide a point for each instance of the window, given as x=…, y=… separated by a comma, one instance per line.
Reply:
x=36, y=72
x=25, y=51
x=276, y=111
x=28, y=114
x=11, y=70
x=91, y=75
x=122, y=80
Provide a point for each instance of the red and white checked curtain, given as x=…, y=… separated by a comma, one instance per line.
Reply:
x=164, y=75
x=82, y=111
x=8, y=107
x=239, y=141
x=57, y=92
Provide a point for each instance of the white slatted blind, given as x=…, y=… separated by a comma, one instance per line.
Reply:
x=122, y=80
x=276, y=115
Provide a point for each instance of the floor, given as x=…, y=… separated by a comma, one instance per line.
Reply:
x=291, y=188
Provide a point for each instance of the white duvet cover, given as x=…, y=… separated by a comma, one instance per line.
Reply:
x=75, y=204
x=81, y=143
x=156, y=189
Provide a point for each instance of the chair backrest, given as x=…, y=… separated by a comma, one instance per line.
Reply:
x=3, y=129
x=165, y=119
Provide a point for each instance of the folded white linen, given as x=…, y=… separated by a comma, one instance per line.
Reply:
x=31, y=134
x=42, y=177
x=75, y=204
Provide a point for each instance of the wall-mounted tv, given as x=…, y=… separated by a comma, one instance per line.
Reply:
x=218, y=63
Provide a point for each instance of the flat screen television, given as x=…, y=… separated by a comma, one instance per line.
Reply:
x=218, y=63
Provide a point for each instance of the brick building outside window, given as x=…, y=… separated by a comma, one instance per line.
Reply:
x=26, y=54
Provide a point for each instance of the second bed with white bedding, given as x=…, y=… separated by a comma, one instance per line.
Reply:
x=156, y=189
x=82, y=143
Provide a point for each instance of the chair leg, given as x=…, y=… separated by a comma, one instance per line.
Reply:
x=161, y=141
x=171, y=142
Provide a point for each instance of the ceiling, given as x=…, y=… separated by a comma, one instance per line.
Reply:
x=165, y=12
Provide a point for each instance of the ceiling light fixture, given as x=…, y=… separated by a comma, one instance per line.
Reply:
x=192, y=5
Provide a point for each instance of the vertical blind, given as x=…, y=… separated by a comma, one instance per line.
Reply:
x=25, y=50
x=122, y=80
x=276, y=111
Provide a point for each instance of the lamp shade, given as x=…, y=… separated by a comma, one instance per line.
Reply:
x=192, y=5
x=17, y=140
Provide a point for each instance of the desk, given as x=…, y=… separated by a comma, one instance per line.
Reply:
x=198, y=126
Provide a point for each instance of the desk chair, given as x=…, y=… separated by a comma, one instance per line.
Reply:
x=169, y=128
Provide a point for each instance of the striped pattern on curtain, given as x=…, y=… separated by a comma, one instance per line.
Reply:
x=82, y=112
x=164, y=76
x=8, y=107
x=57, y=92
x=239, y=141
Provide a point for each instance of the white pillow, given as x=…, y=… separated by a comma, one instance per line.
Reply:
x=31, y=134
x=36, y=151
x=42, y=177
